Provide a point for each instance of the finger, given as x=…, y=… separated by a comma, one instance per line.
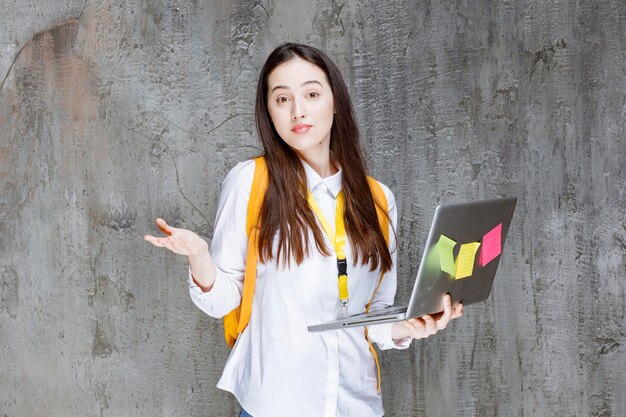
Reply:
x=165, y=242
x=417, y=323
x=154, y=240
x=417, y=328
x=458, y=311
x=165, y=228
x=447, y=307
x=444, y=319
x=174, y=244
x=443, y=323
x=428, y=319
x=431, y=326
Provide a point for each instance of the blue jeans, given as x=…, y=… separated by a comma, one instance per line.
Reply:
x=244, y=413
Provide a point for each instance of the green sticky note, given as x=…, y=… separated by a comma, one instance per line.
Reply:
x=465, y=260
x=445, y=247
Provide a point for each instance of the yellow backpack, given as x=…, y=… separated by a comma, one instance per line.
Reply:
x=236, y=321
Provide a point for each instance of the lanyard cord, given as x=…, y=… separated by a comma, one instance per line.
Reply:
x=338, y=239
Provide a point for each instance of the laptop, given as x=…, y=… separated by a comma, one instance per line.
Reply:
x=461, y=257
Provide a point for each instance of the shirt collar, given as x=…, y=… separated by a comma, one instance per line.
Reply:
x=333, y=183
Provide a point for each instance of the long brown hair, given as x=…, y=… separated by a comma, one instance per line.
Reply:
x=285, y=208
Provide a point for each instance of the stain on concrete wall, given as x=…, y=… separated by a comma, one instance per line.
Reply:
x=114, y=113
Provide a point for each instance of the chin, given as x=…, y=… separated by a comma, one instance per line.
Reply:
x=303, y=144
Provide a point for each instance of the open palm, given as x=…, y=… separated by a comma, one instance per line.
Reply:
x=180, y=241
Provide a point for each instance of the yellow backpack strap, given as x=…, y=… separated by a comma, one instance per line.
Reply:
x=236, y=321
x=380, y=201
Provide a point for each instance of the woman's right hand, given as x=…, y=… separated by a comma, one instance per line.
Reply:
x=185, y=242
x=180, y=241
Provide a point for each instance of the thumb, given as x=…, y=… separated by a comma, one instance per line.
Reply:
x=165, y=228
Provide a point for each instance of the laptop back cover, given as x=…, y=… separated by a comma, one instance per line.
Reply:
x=462, y=254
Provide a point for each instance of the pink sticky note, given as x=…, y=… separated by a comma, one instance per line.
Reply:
x=492, y=245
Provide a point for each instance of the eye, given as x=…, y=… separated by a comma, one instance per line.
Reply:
x=313, y=94
x=281, y=99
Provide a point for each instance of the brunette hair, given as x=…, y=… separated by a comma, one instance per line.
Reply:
x=285, y=208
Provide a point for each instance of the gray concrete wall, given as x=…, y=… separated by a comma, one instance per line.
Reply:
x=113, y=113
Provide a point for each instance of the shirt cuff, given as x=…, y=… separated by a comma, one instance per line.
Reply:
x=381, y=335
x=212, y=302
x=194, y=289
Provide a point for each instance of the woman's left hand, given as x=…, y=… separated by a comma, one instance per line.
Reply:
x=428, y=325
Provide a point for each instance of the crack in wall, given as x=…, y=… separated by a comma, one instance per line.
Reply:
x=89, y=67
x=29, y=41
x=168, y=151
x=208, y=132
x=80, y=15
x=156, y=138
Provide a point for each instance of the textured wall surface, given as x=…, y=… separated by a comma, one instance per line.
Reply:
x=115, y=112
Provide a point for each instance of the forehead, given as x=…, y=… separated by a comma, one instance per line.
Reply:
x=294, y=73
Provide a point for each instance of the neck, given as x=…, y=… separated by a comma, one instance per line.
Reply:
x=321, y=162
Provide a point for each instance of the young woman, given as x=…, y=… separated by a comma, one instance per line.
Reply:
x=310, y=137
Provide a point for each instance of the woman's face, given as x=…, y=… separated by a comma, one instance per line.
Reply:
x=301, y=106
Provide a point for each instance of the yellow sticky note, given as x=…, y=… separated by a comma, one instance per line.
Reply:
x=464, y=265
x=445, y=247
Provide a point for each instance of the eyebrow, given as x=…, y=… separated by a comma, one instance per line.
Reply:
x=303, y=84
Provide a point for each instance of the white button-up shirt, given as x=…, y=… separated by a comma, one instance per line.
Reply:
x=277, y=368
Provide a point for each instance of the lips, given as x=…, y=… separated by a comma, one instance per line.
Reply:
x=300, y=128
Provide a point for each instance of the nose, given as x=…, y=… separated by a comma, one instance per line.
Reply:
x=297, y=110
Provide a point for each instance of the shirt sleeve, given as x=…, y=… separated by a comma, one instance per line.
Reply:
x=384, y=297
x=229, y=245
